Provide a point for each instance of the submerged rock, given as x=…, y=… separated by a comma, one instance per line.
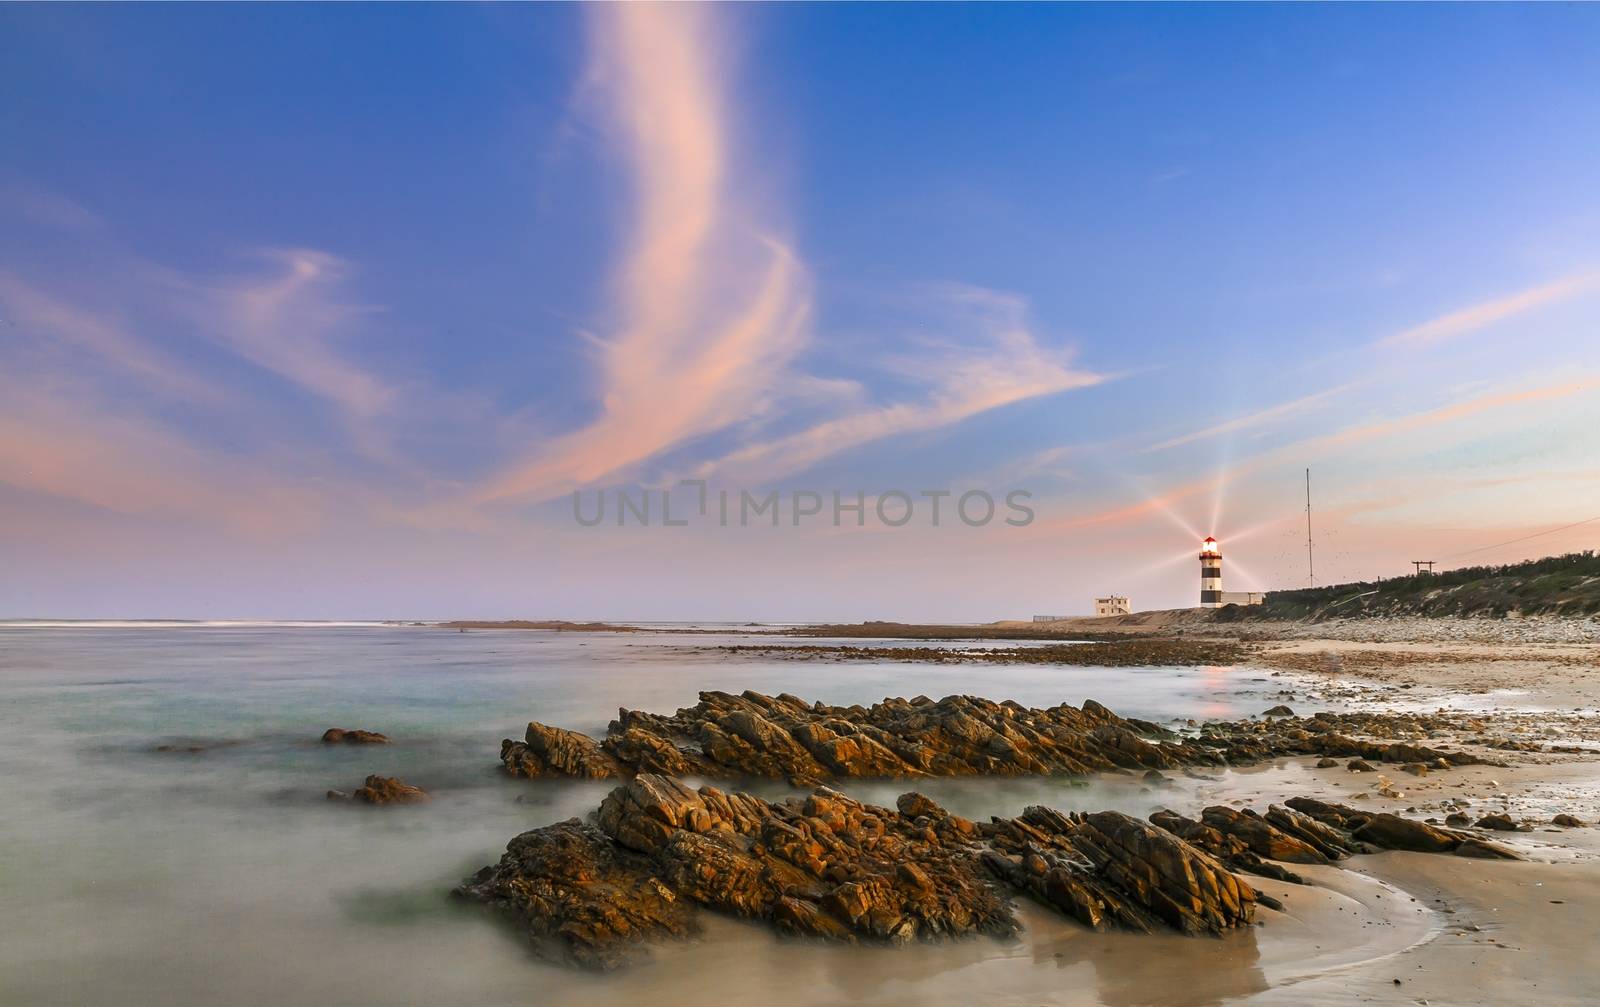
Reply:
x=387, y=790
x=353, y=736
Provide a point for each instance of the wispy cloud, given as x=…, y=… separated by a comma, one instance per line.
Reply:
x=86, y=338
x=285, y=322
x=1478, y=316
x=997, y=362
x=715, y=306
x=1253, y=420
x=57, y=438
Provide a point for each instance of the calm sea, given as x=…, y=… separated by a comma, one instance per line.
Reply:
x=135, y=876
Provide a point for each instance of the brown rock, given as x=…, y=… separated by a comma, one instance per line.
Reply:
x=914, y=805
x=1568, y=822
x=1391, y=832
x=828, y=866
x=552, y=751
x=352, y=736
x=384, y=790
x=1471, y=847
x=580, y=897
x=784, y=737
x=1260, y=836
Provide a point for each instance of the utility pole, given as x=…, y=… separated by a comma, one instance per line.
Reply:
x=1311, y=567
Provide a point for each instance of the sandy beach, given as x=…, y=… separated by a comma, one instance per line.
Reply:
x=1525, y=693
x=1502, y=933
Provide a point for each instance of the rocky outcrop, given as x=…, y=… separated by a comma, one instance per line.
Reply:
x=1386, y=831
x=827, y=866
x=551, y=751
x=382, y=790
x=352, y=736
x=572, y=890
x=784, y=737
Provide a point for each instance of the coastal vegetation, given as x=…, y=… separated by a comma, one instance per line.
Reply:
x=1567, y=585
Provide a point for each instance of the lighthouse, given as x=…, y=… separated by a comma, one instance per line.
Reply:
x=1210, y=574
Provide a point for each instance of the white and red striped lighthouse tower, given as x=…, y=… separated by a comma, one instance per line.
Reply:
x=1210, y=574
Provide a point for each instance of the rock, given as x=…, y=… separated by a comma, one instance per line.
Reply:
x=1568, y=822
x=784, y=737
x=580, y=897
x=914, y=805
x=1260, y=836
x=1499, y=822
x=1278, y=711
x=1415, y=769
x=385, y=790
x=1457, y=820
x=552, y=751
x=1359, y=766
x=352, y=736
x=1326, y=763
x=1471, y=847
x=831, y=867
x=1391, y=832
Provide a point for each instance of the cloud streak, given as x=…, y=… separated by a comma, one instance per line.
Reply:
x=1478, y=316
x=713, y=306
x=1251, y=421
x=997, y=363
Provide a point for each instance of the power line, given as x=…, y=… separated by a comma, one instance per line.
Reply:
x=1537, y=534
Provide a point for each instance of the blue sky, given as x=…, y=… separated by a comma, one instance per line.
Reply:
x=328, y=310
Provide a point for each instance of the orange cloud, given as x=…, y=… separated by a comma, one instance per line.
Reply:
x=56, y=440
x=997, y=364
x=713, y=308
x=1478, y=316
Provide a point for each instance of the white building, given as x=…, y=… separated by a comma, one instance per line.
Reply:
x=1116, y=604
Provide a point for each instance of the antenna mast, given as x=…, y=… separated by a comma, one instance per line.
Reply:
x=1311, y=569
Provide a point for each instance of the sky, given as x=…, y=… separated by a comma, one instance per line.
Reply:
x=365, y=311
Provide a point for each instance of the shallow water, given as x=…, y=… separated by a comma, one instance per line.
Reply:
x=143, y=877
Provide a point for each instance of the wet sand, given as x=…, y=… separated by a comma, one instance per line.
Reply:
x=1452, y=930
